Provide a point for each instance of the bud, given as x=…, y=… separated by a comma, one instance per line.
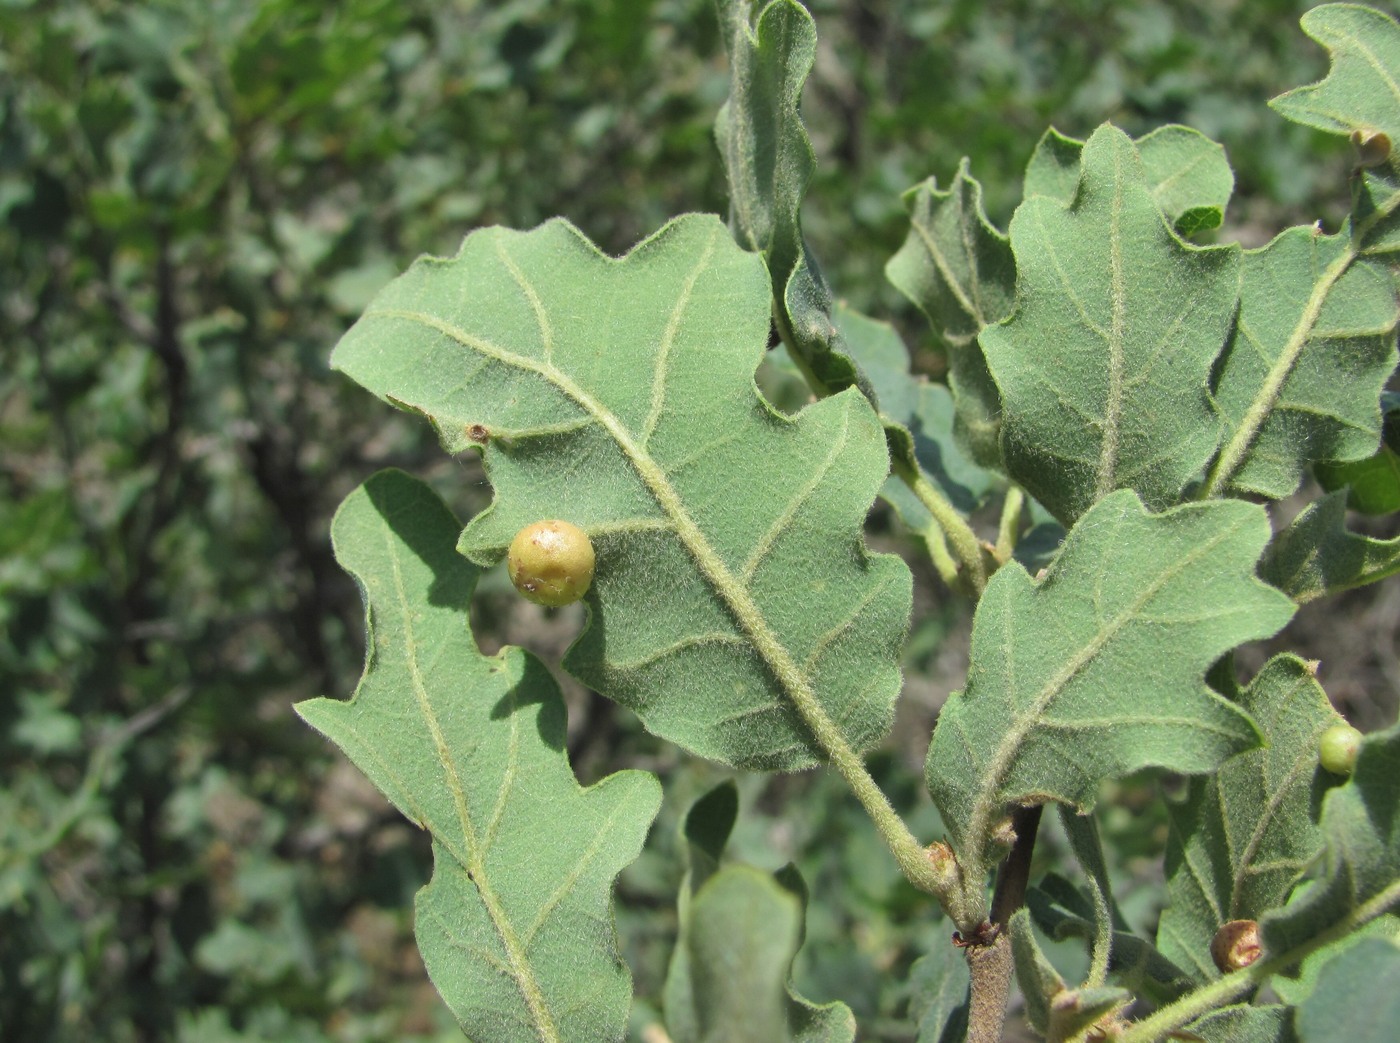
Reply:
x=1372, y=147
x=945, y=865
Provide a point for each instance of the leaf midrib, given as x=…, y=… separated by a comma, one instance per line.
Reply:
x=988, y=800
x=730, y=589
x=473, y=859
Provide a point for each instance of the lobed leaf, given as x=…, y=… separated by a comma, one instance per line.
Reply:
x=1188, y=175
x=1067, y=684
x=1360, y=97
x=1360, y=877
x=1318, y=555
x=1360, y=91
x=516, y=926
x=734, y=606
x=1301, y=378
x=959, y=269
x=1243, y=836
x=1104, y=365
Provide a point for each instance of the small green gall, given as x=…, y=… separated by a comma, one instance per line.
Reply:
x=551, y=563
x=1336, y=748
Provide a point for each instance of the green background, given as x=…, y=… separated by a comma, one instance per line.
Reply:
x=196, y=200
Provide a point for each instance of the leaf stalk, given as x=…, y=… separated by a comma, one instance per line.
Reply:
x=962, y=541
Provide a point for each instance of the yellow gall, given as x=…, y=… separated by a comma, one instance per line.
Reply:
x=551, y=562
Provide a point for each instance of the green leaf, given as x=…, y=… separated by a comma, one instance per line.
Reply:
x=1301, y=981
x=1360, y=91
x=1062, y=911
x=1102, y=375
x=1360, y=876
x=1067, y=684
x=1357, y=997
x=708, y=824
x=1057, y=1012
x=924, y=411
x=1243, y=836
x=769, y=161
x=1246, y=1024
x=1318, y=555
x=1373, y=484
x=516, y=926
x=1301, y=378
x=743, y=930
x=1189, y=176
x=1360, y=96
x=734, y=606
x=1083, y=836
x=959, y=269
x=1039, y=981
x=939, y=1004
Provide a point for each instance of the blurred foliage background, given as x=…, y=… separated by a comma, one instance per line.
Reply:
x=196, y=199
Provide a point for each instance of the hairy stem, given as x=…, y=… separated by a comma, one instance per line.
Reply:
x=937, y=545
x=991, y=965
x=1009, y=530
x=992, y=968
x=962, y=541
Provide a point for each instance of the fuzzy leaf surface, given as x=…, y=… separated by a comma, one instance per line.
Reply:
x=1360, y=876
x=1244, y=835
x=1067, y=685
x=1360, y=96
x=1312, y=348
x=1244, y=1023
x=1188, y=174
x=939, y=1004
x=1318, y=555
x=959, y=269
x=732, y=581
x=1103, y=368
x=1360, y=91
x=516, y=926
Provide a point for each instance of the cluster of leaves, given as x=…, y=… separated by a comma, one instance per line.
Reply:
x=194, y=201
x=1128, y=395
